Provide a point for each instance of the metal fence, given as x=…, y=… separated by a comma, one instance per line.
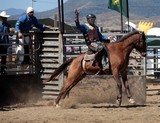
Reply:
x=46, y=54
x=14, y=56
x=152, y=62
x=43, y=51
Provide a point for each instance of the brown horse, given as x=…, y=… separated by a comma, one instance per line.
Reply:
x=118, y=58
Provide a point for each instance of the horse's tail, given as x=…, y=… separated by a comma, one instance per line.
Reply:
x=59, y=70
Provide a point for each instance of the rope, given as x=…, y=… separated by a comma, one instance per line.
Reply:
x=84, y=69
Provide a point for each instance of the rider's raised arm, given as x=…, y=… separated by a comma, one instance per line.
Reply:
x=79, y=26
x=77, y=15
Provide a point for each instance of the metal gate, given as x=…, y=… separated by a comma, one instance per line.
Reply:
x=50, y=57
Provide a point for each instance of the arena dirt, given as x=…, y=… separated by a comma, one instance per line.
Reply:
x=78, y=111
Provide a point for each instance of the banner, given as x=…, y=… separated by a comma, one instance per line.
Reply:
x=116, y=5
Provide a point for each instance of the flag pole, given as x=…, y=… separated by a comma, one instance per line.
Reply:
x=127, y=13
x=121, y=16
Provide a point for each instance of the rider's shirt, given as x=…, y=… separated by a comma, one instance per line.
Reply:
x=85, y=28
x=91, y=35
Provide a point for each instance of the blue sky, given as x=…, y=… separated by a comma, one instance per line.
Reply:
x=38, y=5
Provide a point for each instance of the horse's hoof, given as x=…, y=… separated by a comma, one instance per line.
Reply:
x=57, y=106
x=132, y=101
x=118, y=102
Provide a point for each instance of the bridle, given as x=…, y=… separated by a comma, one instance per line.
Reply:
x=141, y=41
x=141, y=34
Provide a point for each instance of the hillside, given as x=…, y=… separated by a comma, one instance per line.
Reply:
x=109, y=19
x=147, y=10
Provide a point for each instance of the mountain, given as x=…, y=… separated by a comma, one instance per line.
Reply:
x=144, y=10
x=13, y=11
x=139, y=10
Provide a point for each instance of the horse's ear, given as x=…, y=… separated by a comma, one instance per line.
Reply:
x=143, y=35
x=141, y=32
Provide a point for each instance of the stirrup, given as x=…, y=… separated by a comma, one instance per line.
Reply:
x=106, y=67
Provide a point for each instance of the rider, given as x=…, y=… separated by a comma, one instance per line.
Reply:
x=92, y=35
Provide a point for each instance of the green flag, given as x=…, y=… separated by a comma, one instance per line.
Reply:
x=115, y=5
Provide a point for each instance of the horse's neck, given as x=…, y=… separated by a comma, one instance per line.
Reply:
x=128, y=44
x=124, y=47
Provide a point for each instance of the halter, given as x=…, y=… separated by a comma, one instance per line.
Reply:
x=140, y=40
x=140, y=36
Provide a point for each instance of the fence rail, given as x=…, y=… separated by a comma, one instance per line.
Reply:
x=152, y=62
x=13, y=60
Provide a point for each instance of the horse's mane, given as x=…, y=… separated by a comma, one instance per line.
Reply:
x=127, y=36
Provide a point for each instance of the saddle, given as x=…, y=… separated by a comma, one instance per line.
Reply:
x=89, y=57
x=100, y=57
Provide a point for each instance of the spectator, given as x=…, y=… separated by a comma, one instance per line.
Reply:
x=23, y=25
x=5, y=28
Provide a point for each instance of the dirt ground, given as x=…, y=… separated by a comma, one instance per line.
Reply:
x=45, y=112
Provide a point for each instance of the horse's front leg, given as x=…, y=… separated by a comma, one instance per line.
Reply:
x=119, y=85
x=127, y=88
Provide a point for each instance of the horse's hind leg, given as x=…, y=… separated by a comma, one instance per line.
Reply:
x=75, y=82
x=127, y=88
x=68, y=85
x=119, y=85
x=64, y=91
x=59, y=97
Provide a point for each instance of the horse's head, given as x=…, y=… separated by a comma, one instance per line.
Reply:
x=141, y=45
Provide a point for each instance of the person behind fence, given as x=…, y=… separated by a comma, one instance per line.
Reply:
x=23, y=25
x=5, y=28
x=92, y=36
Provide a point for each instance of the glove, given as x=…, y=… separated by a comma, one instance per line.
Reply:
x=12, y=30
x=48, y=27
x=19, y=35
x=77, y=13
x=111, y=37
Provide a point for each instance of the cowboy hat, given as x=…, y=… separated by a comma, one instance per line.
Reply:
x=4, y=14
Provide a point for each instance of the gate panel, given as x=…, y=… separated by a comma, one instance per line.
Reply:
x=50, y=59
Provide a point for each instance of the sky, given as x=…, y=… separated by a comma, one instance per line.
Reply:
x=38, y=5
